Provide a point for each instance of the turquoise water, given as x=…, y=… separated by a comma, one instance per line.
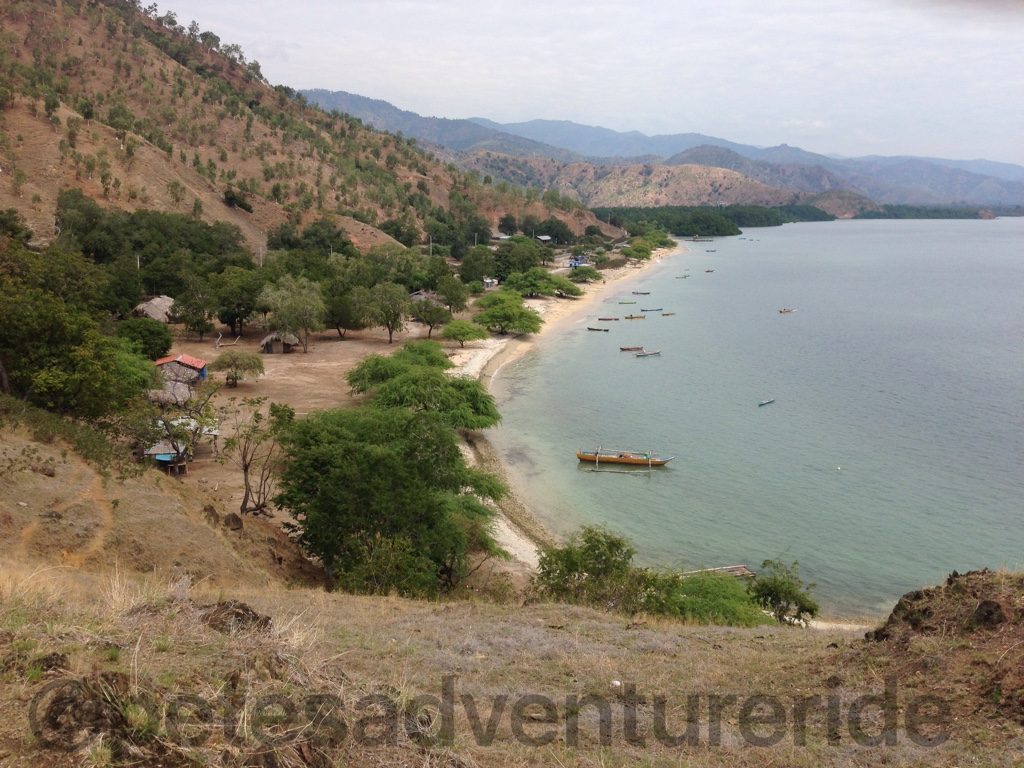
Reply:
x=892, y=455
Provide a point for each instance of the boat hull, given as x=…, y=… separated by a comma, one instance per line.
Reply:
x=634, y=458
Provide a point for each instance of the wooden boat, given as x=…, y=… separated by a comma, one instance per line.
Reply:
x=641, y=293
x=786, y=310
x=591, y=328
x=652, y=353
x=636, y=458
x=658, y=309
x=667, y=314
x=631, y=349
x=709, y=270
x=627, y=302
x=766, y=402
x=607, y=319
x=681, y=277
x=635, y=317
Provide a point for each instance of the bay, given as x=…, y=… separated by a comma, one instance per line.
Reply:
x=894, y=450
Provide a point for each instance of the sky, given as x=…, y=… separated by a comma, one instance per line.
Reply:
x=941, y=78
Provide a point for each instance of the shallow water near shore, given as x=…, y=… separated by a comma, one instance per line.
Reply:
x=894, y=450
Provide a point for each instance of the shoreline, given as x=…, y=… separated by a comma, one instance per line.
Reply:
x=518, y=529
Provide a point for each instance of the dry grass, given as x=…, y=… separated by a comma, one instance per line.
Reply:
x=146, y=638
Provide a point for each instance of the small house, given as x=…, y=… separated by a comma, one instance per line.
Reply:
x=545, y=239
x=278, y=342
x=182, y=368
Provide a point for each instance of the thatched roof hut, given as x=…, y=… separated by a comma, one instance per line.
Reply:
x=157, y=308
x=279, y=342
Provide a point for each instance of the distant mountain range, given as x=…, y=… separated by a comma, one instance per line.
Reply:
x=474, y=143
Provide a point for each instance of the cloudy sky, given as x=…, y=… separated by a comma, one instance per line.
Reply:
x=852, y=77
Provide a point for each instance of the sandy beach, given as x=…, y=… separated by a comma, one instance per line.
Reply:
x=517, y=529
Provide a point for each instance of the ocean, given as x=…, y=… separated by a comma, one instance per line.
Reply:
x=892, y=455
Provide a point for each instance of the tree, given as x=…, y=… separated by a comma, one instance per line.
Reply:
x=593, y=567
x=183, y=425
x=504, y=313
x=238, y=290
x=296, y=306
x=382, y=498
x=150, y=337
x=584, y=274
x=519, y=254
x=507, y=224
x=476, y=265
x=389, y=307
x=254, y=448
x=453, y=292
x=236, y=364
x=782, y=591
x=193, y=307
x=463, y=331
x=430, y=313
x=539, y=282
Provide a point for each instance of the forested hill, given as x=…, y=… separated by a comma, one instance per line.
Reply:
x=140, y=111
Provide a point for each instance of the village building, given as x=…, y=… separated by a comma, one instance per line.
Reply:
x=278, y=342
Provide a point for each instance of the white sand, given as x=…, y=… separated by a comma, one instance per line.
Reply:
x=482, y=360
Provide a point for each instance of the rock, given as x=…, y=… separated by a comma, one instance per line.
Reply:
x=988, y=614
x=230, y=616
x=232, y=522
x=211, y=515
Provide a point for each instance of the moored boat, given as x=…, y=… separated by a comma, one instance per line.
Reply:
x=607, y=319
x=656, y=309
x=631, y=349
x=627, y=302
x=641, y=293
x=667, y=314
x=652, y=353
x=635, y=317
x=636, y=458
x=766, y=402
x=592, y=328
x=786, y=310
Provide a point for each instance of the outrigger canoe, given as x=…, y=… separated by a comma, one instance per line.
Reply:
x=636, y=458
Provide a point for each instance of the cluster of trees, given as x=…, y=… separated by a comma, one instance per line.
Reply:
x=595, y=567
x=381, y=494
x=706, y=221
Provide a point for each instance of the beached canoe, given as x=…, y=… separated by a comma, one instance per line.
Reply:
x=636, y=458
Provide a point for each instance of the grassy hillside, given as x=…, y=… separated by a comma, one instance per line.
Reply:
x=139, y=112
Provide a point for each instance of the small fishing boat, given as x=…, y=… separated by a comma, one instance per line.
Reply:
x=786, y=310
x=627, y=302
x=652, y=353
x=709, y=270
x=766, y=402
x=607, y=319
x=637, y=458
x=635, y=317
x=631, y=349
x=667, y=314
x=658, y=309
x=641, y=293
x=591, y=328
x=710, y=250
x=681, y=277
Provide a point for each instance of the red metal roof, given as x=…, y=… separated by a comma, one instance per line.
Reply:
x=186, y=360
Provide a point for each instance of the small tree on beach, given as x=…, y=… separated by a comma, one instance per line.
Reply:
x=463, y=331
x=430, y=314
x=780, y=590
x=504, y=312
